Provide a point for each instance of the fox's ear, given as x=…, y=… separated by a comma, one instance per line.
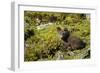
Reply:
x=65, y=29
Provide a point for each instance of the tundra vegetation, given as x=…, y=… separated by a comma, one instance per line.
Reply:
x=42, y=41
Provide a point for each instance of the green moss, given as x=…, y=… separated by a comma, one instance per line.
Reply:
x=45, y=43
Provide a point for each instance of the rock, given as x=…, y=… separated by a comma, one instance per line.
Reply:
x=59, y=55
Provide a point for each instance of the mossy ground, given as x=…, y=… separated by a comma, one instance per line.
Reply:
x=45, y=43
